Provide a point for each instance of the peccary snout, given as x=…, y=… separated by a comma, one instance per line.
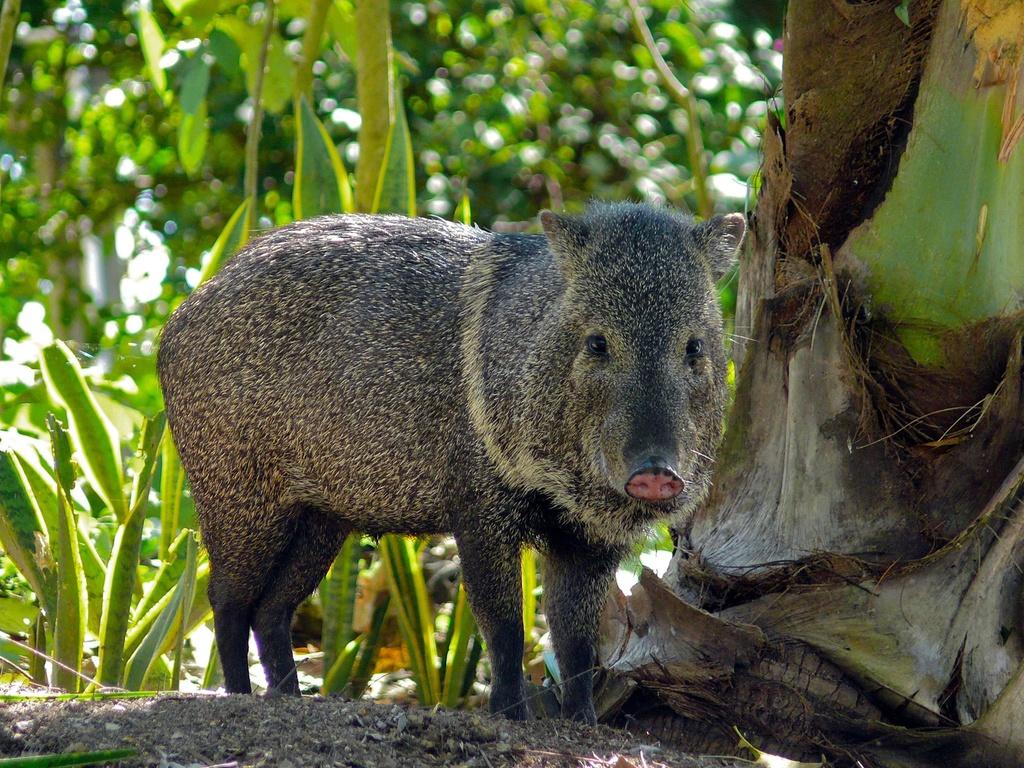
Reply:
x=654, y=480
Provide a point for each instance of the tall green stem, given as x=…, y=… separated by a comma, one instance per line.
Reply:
x=375, y=87
x=311, y=40
x=252, y=136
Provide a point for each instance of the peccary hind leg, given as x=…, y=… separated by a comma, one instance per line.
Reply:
x=300, y=568
x=576, y=581
x=491, y=572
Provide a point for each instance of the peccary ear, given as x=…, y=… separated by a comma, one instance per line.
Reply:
x=722, y=237
x=567, y=235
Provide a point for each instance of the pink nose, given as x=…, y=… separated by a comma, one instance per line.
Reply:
x=654, y=484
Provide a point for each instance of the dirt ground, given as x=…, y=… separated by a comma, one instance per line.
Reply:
x=188, y=731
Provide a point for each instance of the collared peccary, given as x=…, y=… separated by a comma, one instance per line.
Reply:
x=383, y=374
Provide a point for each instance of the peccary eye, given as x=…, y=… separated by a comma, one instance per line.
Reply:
x=694, y=348
x=597, y=345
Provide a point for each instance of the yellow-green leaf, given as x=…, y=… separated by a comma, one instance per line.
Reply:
x=396, y=187
x=321, y=183
x=232, y=237
x=153, y=45
x=93, y=436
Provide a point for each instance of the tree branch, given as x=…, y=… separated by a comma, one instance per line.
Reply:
x=684, y=97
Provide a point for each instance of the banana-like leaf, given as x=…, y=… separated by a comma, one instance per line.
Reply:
x=72, y=609
x=415, y=617
x=163, y=628
x=396, y=187
x=172, y=485
x=124, y=560
x=94, y=437
x=321, y=183
x=232, y=237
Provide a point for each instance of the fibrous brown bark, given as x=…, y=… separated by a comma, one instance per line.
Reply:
x=852, y=586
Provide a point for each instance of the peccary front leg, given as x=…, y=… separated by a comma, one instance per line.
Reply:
x=576, y=581
x=491, y=572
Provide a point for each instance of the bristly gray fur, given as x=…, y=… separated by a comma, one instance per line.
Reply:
x=383, y=374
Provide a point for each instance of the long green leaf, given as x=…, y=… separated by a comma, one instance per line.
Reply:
x=529, y=571
x=143, y=624
x=232, y=237
x=93, y=435
x=17, y=615
x=153, y=45
x=460, y=630
x=71, y=615
x=124, y=559
x=360, y=677
x=21, y=532
x=415, y=617
x=339, y=673
x=172, y=485
x=163, y=628
x=396, y=187
x=321, y=183
x=67, y=759
x=95, y=572
x=172, y=564
x=338, y=595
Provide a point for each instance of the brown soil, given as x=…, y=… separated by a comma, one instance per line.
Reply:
x=188, y=731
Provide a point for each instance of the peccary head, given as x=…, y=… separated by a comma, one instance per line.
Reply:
x=640, y=319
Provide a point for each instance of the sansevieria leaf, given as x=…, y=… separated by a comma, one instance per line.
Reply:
x=321, y=182
x=396, y=187
x=93, y=436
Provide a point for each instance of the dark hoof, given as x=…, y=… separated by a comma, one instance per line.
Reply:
x=511, y=706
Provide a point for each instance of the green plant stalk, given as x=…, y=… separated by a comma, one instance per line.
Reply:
x=124, y=561
x=311, y=44
x=172, y=485
x=476, y=651
x=360, y=678
x=375, y=89
x=460, y=631
x=94, y=436
x=37, y=660
x=338, y=595
x=67, y=759
x=685, y=98
x=71, y=615
x=252, y=134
